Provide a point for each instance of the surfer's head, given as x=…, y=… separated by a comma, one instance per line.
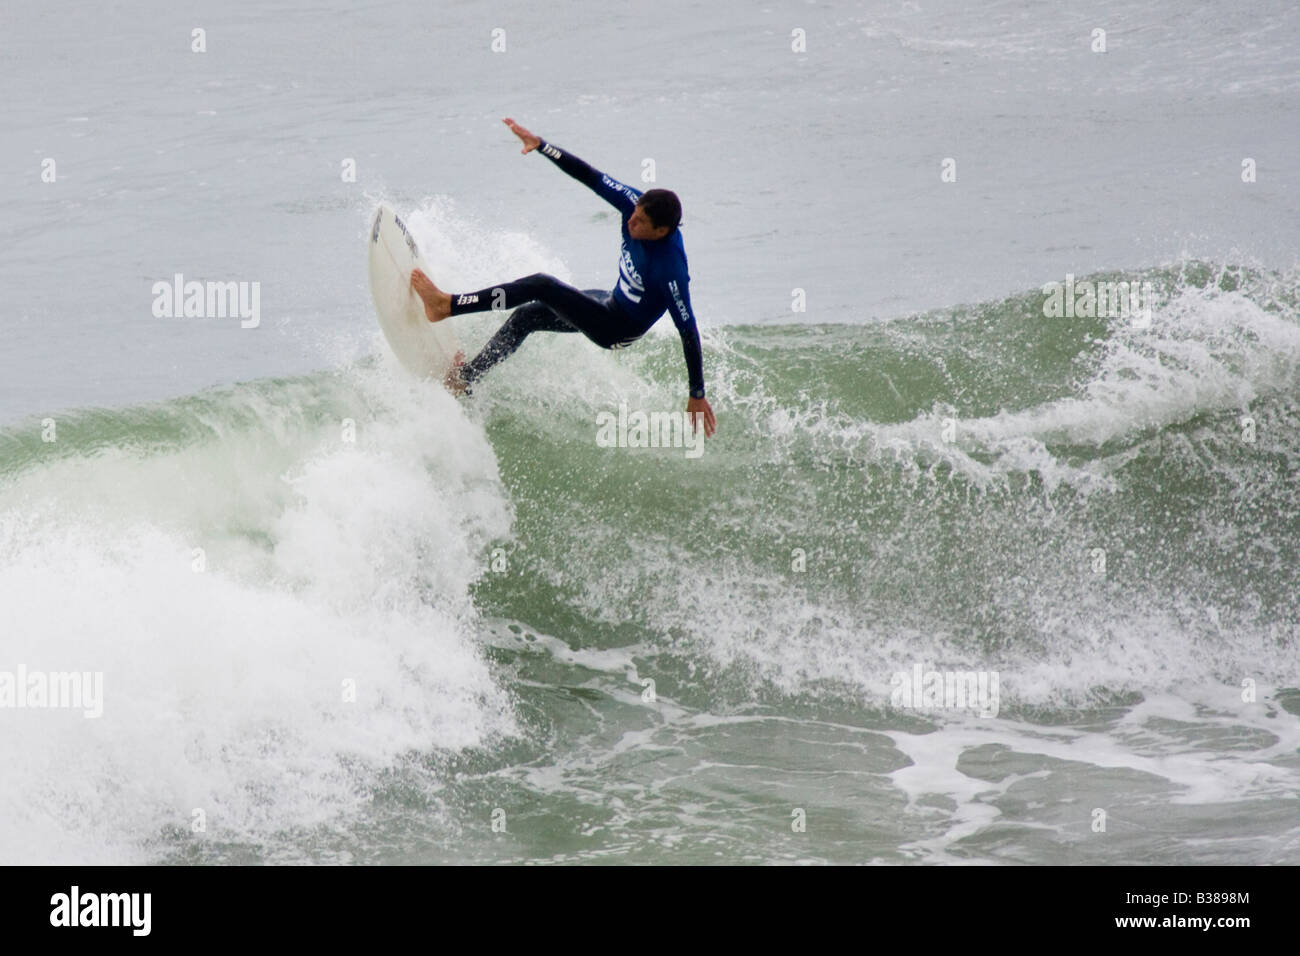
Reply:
x=658, y=212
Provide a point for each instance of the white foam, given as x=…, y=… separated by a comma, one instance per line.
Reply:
x=327, y=562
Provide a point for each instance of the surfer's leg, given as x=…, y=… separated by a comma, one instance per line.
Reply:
x=591, y=314
x=545, y=305
x=527, y=319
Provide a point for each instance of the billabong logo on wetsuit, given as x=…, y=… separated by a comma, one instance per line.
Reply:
x=466, y=299
x=629, y=279
x=684, y=312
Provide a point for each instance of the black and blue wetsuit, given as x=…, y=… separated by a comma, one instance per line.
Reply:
x=652, y=278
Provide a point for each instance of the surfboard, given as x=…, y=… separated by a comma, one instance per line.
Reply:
x=426, y=349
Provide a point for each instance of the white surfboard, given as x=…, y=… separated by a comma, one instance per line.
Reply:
x=424, y=348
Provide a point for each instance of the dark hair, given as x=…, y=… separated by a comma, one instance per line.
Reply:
x=662, y=206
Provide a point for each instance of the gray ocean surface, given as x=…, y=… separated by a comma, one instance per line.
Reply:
x=341, y=616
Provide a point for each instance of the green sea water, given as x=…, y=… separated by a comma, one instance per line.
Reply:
x=563, y=652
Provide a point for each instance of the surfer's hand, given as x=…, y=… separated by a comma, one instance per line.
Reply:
x=530, y=141
x=701, y=407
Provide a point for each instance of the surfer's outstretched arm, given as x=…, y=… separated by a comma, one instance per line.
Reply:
x=621, y=197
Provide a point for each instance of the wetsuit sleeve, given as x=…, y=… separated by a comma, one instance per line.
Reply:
x=680, y=294
x=621, y=197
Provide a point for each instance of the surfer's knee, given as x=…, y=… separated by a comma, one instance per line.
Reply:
x=527, y=316
x=540, y=279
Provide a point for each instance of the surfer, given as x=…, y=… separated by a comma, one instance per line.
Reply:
x=652, y=278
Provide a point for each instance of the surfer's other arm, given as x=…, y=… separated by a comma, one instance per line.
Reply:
x=621, y=197
x=684, y=318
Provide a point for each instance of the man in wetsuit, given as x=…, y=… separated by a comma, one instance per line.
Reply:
x=652, y=279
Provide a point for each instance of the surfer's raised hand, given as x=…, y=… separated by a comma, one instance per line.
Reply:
x=700, y=407
x=530, y=141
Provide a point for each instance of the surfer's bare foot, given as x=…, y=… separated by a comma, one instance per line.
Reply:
x=452, y=380
x=437, y=304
